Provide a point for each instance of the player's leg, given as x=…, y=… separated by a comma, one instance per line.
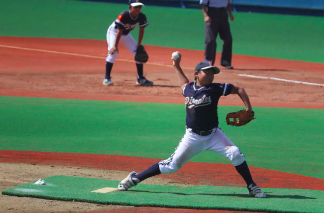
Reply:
x=111, y=37
x=189, y=146
x=221, y=144
x=226, y=35
x=211, y=31
x=129, y=42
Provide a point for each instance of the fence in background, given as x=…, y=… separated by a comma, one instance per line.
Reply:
x=289, y=4
x=296, y=7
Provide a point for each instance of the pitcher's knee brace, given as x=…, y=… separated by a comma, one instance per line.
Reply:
x=235, y=155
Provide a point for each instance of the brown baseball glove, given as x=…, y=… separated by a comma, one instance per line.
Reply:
x=141, y=54
x=239, y=118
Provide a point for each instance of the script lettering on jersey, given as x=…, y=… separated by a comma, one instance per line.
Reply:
x=191, y=102
x=130, y=26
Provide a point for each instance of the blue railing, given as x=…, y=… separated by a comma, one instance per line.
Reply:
x=289, y=4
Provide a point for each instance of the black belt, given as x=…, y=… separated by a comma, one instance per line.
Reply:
x=202, y=133
x=217, y=8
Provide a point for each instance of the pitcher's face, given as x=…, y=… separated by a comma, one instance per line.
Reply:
x=205, y=77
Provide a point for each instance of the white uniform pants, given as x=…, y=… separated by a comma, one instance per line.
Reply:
x=192, y=144
x=127, y=40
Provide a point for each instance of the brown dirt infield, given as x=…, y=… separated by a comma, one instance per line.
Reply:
x=66, y=68
x=74, y=69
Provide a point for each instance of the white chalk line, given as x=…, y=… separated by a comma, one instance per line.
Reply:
x=81, y=55
x=280, y=79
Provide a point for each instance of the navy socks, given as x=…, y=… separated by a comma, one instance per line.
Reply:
x=108, y=69
x=153, y=170
x=110, y=65
x=139, y=70
x=244, y=171
x=149, y=172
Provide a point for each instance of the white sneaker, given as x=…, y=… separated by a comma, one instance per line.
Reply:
x=143, y=82
x=107, y=82
x=256, y=191
x=128, y=182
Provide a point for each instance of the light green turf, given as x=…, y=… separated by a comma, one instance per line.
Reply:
x=282, y=139
x=268, y=35
x=206, y=197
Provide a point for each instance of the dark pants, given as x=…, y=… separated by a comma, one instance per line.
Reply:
x=219, y=25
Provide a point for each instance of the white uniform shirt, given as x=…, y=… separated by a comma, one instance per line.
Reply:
x=216, y=3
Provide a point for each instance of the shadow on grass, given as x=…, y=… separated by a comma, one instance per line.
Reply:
x=228, y=195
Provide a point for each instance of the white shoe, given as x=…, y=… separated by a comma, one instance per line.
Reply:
x=128, y=182
x=143, y=82
x=107, y=82
x=256, y=191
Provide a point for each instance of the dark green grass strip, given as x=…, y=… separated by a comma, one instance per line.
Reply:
x=283, y=139
x=267, y=35
x=200, y=197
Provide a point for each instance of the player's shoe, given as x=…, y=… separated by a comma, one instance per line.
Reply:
x=256, y=191
x=227, y=65
x=142, y=81
x=128, y=182
x=107, y=82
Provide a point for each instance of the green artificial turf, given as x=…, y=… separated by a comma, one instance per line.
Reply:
x=282, y=139
x=204, y=197
x=267, y=35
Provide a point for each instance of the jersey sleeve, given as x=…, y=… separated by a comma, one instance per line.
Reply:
x=204, y=2
x=222, y=89
x=120, y=21
x=143, y=21
x=185, y=88
x=227, y=89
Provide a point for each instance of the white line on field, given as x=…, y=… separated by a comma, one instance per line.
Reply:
x=280, y=79
x=87, y=56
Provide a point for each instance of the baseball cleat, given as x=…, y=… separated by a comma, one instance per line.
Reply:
x=256, y=191
x=107, y=82
x=143, y=82
x=128, y=182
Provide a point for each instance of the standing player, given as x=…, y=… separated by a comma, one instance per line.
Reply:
x=202, y=131
x=216, y=22
x=118, y=31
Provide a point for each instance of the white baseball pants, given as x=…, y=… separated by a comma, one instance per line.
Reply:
x=192, y=144
x=127, y=40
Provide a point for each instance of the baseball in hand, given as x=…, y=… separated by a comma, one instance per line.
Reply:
x=175, y=55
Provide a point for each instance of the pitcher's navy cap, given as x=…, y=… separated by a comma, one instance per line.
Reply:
x=205, y=65
x=135, y=3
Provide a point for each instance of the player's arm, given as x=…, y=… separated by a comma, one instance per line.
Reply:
x=140, y=36
x=142, y=24
x=244, y=97
x=229, y=9
x=206, y=16
x=183, y=80
x=115, y=47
